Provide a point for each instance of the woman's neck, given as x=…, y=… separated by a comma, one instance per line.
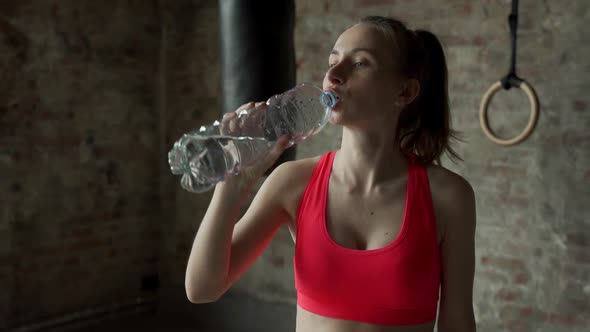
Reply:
x=367, y=162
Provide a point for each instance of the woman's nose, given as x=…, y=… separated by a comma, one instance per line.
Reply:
x=334, y=76
x=334, y=80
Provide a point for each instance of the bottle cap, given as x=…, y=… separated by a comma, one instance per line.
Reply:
x=329, y=98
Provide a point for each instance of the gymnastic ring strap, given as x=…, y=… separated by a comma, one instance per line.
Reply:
x=511, y=80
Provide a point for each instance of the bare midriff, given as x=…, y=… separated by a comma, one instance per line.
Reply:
x=309, y=322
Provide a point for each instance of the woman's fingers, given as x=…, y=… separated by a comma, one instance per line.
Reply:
x=247, y=120
x=280, y=146
x=226, y=122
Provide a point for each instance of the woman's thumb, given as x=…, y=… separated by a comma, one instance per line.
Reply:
x=280, y=146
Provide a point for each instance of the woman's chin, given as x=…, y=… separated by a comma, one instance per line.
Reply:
x=341, y=117
x=336, y=118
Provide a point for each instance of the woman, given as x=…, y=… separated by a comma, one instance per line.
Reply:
x=378, y=227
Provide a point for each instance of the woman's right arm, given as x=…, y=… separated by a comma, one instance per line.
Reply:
x=224, y=248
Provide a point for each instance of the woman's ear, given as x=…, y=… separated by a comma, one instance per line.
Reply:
x=410, y=90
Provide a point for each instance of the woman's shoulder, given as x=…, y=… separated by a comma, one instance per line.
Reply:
x=289, y=181
x=444, y=181
x=292, y=176
x=453, y=198
x=297, y=169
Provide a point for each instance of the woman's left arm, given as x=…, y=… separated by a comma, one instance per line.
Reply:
x=456, y=208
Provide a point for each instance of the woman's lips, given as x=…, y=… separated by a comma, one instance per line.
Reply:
x=337, y=107
x=338, y=98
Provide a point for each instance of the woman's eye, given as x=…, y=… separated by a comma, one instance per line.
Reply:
x=356, y=64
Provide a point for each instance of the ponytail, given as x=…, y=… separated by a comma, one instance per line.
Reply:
x=424, y=126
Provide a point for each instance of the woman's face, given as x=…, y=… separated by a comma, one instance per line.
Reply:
x=363, y=73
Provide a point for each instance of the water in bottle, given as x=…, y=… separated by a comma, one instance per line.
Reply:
x=207, y=156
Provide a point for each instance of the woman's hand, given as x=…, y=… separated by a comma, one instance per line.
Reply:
x=248, y=121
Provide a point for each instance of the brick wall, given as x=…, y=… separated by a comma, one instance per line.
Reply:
x=79, y=139
x=192, y=91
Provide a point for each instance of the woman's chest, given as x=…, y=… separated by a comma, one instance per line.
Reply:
x=364, y=222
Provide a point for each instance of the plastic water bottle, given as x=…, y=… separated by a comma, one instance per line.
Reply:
x=208, y=155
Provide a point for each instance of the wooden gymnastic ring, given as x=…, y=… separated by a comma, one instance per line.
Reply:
x=483, y=118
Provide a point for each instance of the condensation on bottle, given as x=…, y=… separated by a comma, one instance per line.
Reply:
x=207, y=156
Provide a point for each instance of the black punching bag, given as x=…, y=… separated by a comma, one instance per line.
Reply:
x=258, y=53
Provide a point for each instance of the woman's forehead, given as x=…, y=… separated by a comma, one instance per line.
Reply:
x=363, y=36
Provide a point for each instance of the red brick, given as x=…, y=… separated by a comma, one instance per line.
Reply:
x=370, y=3
x=580, y=255
x=182, y=248
x=466, y=9
x=90, y=217
x=152, y=259
x=527, y=311
x=76, y=273
x=113, y=253
x=151, y=235
x=504, y=171
x=517, y=326
x=277, y=261
x=72, y=261
x=503, y=263
x=82, y=232
x=575, y=138
x=515, y=201
x=579, y=105
x=479, y=41
x=521, y=278
x=509, y=295
x=87, y=245
x=578, y=238
x=567, y=320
